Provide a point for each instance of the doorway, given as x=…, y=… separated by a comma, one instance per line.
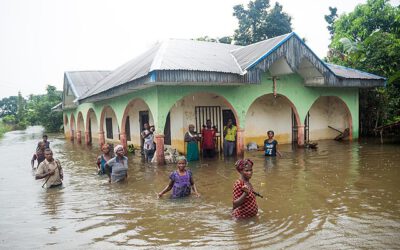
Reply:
x=143, y=118
x=213, y=113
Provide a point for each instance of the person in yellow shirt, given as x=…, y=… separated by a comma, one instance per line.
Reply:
x=230, y=131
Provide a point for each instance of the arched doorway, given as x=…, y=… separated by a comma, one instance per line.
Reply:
x=81, y=127
x=109, y=124
x=327, y=114
x=195, y=109
x=72, y=127
x=92, y=127
x=67, y=132
x=271, y=113
x=136, y=114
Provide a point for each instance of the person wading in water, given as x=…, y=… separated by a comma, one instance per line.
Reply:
x=50, y=169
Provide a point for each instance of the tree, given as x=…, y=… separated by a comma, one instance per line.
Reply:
x=369, y=39
x=330, y=19
x=8, y=106
x=224, y=39
x=258, y=22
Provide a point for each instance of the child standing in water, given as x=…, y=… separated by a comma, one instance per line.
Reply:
x=181, y=181
x=244, y=199
x=103, y=158
x=271, y=145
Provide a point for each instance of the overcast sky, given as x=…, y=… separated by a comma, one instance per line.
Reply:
x=40, y=39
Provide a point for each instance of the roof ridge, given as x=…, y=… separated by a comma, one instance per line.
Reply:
x=156, y=64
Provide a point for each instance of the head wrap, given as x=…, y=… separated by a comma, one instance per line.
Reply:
x=241, y=164
x=181, y=158
x=118, y=147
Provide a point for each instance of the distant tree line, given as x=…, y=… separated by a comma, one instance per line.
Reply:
x=18, y=112
x=368, y=39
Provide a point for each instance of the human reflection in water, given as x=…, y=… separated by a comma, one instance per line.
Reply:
x=269, y=162
x=53, y=200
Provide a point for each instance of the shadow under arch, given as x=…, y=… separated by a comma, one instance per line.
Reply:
x=267, y=112
x=195, y=107
x=91, y=124
x=114, y=121
x=72, y=126
x=66, y=127
x=127, y=109
x=329, y=111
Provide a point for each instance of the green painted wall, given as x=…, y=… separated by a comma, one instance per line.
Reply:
x=161, y=98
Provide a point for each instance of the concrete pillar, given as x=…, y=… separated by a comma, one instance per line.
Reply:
x=79, y=136
x=124, y=143
x=240, y=143
x=72, y=135
x=300, y=135
x=102, y=139
x=160, y=149
x=87, y=138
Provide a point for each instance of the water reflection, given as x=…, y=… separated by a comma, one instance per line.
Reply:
x=343, y=195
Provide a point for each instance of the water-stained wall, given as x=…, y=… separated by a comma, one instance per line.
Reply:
x=269, y=113
x=328, y=111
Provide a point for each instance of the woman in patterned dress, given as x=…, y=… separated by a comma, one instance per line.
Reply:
x=244, y=199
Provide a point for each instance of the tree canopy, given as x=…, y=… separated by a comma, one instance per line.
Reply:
x=259, y=22
x=368, y=39
x=36, y=110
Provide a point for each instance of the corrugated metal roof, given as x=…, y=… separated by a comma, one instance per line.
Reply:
x=177, y=54
x=250, y=54
x=82, y=81
x=192, y=56
x=352, y=73
x=134, y=69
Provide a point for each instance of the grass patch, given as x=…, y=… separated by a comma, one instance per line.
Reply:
x=4, y=128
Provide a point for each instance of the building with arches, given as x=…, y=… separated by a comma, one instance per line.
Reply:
x=278, y=84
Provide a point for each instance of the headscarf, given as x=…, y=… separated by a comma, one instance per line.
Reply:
x=241, y=164
x=118, y=147
x=181, y=158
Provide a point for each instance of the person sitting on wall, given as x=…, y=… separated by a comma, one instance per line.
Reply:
x=208, y=140
x=148, y=146
x=271, y=145
x=230, y=131
x=192, y=149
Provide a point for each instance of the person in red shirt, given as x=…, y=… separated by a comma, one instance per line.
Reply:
x=244, y=199
x=208, y=140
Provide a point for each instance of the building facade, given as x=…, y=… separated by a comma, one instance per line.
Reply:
x=278, y=84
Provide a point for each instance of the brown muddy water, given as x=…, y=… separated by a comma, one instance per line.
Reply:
x=341, y=196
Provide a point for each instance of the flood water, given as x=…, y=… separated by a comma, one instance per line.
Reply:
x=341, y=196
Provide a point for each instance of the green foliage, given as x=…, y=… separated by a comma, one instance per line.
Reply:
x=4, y=128
x=8, y=106
x=369, y=39
x=36, y=110
x=225, y=39
x=330, y=19
x=258, y=22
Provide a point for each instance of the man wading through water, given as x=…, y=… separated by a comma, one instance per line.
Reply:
x=50, y=169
